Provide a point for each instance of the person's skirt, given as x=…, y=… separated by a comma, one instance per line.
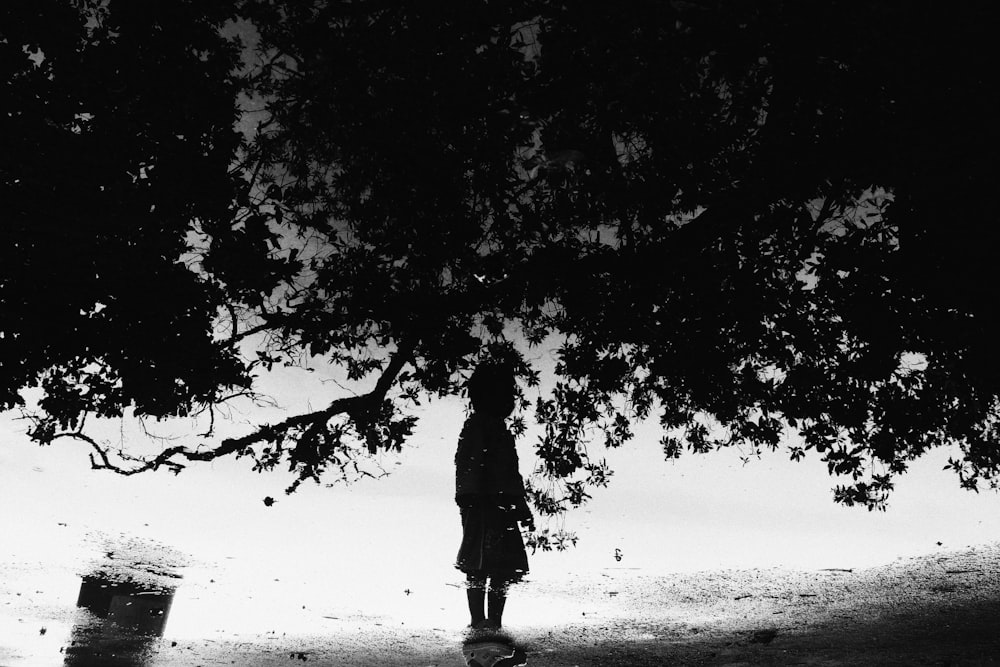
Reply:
x=491, y=543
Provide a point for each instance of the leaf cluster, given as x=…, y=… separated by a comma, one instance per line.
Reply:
x=762, y=223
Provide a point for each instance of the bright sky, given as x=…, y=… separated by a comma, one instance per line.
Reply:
x=350, y=552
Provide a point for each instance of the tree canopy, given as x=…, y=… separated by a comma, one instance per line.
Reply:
x=754, y=221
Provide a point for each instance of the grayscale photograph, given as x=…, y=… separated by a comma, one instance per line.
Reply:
x=497, y=333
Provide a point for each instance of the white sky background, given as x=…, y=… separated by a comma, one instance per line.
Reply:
x=351, y=552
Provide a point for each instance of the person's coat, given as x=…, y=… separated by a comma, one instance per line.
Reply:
x=486, y=466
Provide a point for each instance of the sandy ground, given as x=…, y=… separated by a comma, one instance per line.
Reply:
x=938, y=610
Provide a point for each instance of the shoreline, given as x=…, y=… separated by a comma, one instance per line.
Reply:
x=942, y=609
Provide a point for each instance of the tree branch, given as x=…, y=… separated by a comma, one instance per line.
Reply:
x=360, y=408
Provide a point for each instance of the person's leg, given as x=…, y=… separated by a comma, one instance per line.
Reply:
x=499, y=584
x=476, y=591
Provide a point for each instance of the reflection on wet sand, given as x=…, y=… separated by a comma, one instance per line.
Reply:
x=124, y=618
x=126, y=604
x=492, y=650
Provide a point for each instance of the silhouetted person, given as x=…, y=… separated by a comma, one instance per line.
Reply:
x=490, y=493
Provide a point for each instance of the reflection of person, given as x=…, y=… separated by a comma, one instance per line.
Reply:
x=490, y=493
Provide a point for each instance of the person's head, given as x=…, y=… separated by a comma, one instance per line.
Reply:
x=492, y=389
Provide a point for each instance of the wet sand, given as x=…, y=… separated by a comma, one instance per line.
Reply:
x=942, y=609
